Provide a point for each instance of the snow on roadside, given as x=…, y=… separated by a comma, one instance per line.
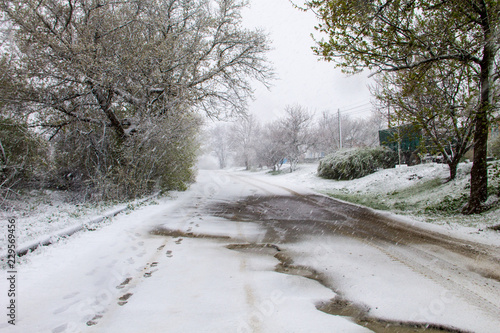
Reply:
x=42, y=215
x=382, y=181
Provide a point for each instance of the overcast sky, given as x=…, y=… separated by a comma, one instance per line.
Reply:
x=303, y=80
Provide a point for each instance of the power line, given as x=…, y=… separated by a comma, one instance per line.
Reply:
x=355, y=106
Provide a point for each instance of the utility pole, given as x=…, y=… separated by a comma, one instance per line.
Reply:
x=389, y=115
x=340, y=130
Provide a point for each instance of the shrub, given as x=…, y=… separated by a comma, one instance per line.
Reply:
x=23, y=154
x=158, y=156
x=356, y=163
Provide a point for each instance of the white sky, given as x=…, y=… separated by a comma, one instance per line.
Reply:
x=302, y=79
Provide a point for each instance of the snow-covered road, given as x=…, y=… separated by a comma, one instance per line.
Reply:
x=241, y=253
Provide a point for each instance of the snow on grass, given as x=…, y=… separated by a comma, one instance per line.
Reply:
x=42, y=213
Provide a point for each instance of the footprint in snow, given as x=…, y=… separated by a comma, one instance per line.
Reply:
x=179, y=241
x=59, y=329
x=94, y=320
x=148, y=274
x=169, y=254
x=124, y=299
x=112, y=264
x=67, y=327
x=71, y=295
x=124, y=283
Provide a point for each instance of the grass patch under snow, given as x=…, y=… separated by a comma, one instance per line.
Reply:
x=421, y=191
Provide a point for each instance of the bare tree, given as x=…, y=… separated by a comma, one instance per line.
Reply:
x=220, y=143
x=327, y=132
x=355, y=132
x=297, y=135
x=270, y=147
x=244, y=134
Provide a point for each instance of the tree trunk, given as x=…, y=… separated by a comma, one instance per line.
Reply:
x=453, y=165
x=479, y=172
x=105, y=101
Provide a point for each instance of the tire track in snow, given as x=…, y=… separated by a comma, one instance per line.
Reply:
x=463, y=284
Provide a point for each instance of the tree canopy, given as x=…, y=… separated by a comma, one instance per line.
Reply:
x=395, y=35
x=102, y=74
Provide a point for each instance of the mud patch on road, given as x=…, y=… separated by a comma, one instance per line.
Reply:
x=287, y=266
x=288, y=219
x=254, y=248
x=339, y=306
x=360, y=314
x=286, y=208
x=164, y=231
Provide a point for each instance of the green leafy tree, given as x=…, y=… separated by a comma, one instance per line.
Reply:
x=389, y=35
x=440, y=101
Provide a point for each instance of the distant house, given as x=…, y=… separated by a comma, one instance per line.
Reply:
x=313, y=156
x=406, y=139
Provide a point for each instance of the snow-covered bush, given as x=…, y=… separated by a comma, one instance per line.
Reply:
x=23, y=154
x=160, y=155
x=356, y=162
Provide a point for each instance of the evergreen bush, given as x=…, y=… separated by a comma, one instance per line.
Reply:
x=354, y=163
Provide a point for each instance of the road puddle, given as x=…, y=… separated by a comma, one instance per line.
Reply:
x=342, y=307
